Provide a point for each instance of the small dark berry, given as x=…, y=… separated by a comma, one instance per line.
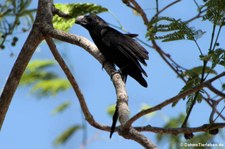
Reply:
x=188, y=136
x=214, y=131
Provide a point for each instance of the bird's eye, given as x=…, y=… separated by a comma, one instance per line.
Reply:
x=89, y=19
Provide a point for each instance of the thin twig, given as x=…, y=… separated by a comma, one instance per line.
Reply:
x=172, y=100
x=164, y=8
x=137, y=8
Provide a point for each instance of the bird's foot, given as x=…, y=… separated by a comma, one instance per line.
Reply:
x=115, y=72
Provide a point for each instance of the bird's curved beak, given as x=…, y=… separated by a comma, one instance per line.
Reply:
x=80, y=20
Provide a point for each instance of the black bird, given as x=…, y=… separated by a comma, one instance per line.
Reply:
x=118, y=48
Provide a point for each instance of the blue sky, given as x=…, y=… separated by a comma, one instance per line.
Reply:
x=29, y=122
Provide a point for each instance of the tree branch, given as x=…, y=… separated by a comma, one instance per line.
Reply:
x=137, y=8
x=122, y=98
x=166, y=7
x=216, y=91
x=172, y=100
x=133, y=134
x=176, y=131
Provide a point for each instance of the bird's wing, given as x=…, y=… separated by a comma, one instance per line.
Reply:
x=128, y=46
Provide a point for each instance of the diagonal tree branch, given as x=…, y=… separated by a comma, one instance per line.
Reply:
x=172, y=100
x=137, y=8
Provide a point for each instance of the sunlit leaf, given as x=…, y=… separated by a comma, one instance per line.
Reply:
x=111, y=109
x=74, y=10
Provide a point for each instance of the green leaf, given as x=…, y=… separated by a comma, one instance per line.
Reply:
x=192, y=98
x=50, y=87
x=223, y=86
x=62, y=138
x=192, y=82
x=74, y=10
x=61, y=107
x=111, y=109
x=217, y=57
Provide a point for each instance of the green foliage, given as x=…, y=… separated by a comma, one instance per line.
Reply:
x=43, y=81
x=217, y=57
x=74, y=10
x=61, y=107
x=192, y=98
x=67, y=134
x=215, y=11
x=175, y=29
x=12, y=12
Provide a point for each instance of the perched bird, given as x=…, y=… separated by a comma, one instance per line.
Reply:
x=118, y=48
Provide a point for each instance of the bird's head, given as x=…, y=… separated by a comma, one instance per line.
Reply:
x=90, y=21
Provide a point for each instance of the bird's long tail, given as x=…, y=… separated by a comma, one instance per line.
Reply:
x=116, y=113
x=114, y=120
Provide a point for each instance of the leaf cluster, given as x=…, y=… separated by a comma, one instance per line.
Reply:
x=42, y=80
x=74, y=10
x=12, y=13
x=170, y=29
x=215, y=11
